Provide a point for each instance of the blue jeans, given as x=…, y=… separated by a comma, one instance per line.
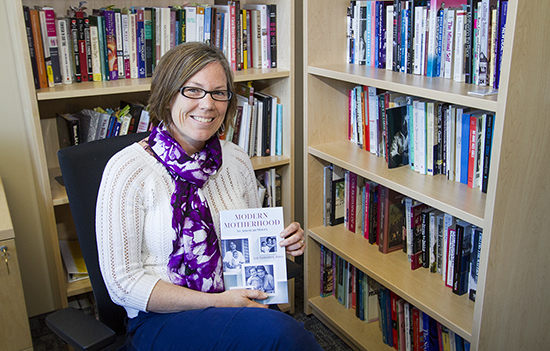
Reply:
x=219, y=329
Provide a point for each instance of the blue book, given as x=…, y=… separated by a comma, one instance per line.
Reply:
x=440, y=17
x=403, y=42
x=207, y=24
x=425, y=332
x=279, y=134
x=500, y=39
x=464, y=155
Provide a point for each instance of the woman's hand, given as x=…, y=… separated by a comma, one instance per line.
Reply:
x=241, y=298
x=294, y=240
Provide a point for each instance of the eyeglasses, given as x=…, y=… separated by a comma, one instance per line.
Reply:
x=198, y=93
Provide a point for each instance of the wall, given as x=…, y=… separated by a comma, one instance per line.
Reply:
x=16, y=169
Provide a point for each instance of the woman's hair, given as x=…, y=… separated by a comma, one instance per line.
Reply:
x=175, y=68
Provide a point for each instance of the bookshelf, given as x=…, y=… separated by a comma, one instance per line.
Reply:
x=511, y=308
x=45, y=103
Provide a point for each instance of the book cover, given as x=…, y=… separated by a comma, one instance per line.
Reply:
x=398, y=136
x=373, y=213
x=392, y=220
x=371, y=297
x=252, y=258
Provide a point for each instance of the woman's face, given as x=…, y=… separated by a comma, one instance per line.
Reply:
x=196, y=120
x=232, y=246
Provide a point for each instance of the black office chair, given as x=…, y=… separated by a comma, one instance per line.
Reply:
x=82, y=167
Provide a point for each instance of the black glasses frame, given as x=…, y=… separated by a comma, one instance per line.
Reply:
x=229, y=92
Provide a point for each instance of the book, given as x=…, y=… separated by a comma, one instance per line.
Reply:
x=73, y=260
x=488, y=139
x=398, y=140
x=51, y=42
x=65, y=50
x=392, y=220
x=474, y=262
x=337, y=209
x=416, y=223
x=260, y=269
x=327, y=275
x=327, y=191
x=68, y=130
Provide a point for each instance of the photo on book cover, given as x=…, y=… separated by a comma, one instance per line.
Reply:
x=247, y=238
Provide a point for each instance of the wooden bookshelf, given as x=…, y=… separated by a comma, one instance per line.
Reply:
x=45, y=103
x=511, y=308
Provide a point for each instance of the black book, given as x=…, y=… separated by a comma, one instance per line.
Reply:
x=397, y=146
x=337, y=206
x=267, y=102
x=68, y=130
x=489, y=125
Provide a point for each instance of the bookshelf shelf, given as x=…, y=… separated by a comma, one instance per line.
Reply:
x=511, y=213
x=86, y=89
x=439, y=89
x=449, y=196
x=421, y=288
x=47, y=102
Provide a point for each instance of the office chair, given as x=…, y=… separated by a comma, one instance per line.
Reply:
x=82, y=168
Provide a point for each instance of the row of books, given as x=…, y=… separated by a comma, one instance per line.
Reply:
x=462, y=42
x=431, y=239
x=403, y=326
x=113, y=43
x=431, y=137
x=98, y=123
x=258, y=123
x=269, y=187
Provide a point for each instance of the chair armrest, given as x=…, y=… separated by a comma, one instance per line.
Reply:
x=81, y=331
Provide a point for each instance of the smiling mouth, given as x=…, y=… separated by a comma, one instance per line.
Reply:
x=202, y=119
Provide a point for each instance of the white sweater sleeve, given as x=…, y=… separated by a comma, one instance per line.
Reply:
x=120, y=223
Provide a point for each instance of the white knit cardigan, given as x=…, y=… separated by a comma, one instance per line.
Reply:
x=134, y=217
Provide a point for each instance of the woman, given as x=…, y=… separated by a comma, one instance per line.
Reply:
x=158, y=224
x=233, y=259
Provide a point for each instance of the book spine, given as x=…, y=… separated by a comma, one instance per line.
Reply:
x=110, y=31
x=121, y=41
x=88, y=41
x=132, y=43
x=489, y=124
x=65, y=50
x=273, y=34
x=94, y=45
x=472, y=150
x=148, y=30
x=51, y=31
x=124, y=26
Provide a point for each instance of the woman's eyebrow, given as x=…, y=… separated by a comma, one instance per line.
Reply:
x=199, y=85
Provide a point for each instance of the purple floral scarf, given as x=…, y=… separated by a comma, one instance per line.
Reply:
x=195, y=261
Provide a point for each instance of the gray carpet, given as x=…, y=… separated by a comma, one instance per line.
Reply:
x=44, y=339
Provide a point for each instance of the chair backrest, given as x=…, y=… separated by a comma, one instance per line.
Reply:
x=81, y=168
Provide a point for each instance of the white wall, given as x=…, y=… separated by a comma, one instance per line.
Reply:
x=16, y=171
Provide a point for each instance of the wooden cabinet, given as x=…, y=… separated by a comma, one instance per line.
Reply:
x=14, y=323
x=513, y=298
x=45, y=103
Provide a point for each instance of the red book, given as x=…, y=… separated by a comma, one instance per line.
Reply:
x=416, y=329
x=392, y=220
